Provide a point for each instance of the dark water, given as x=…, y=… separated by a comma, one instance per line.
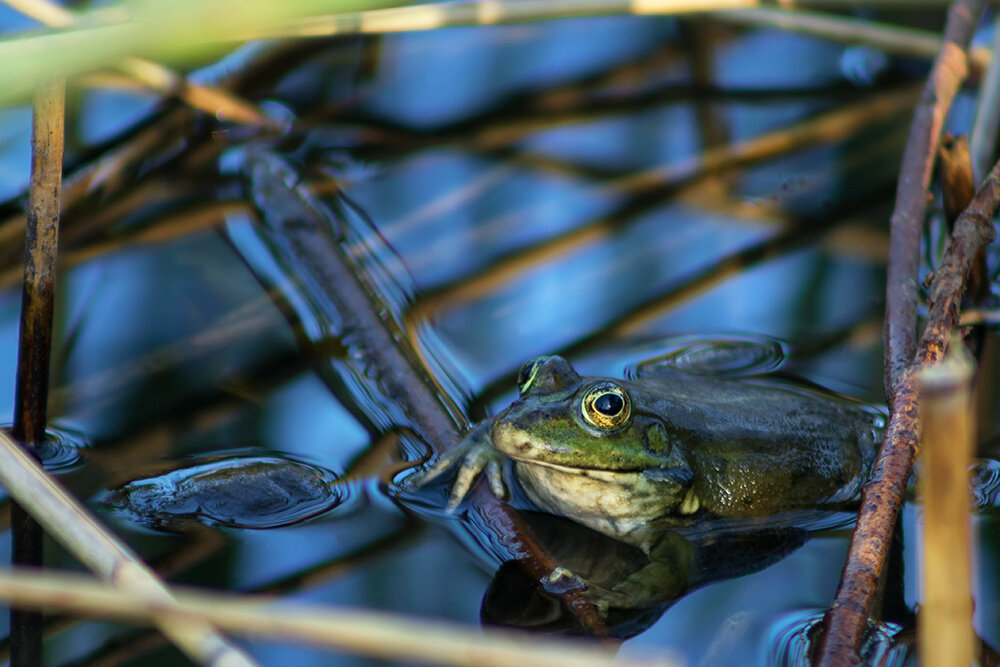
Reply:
x=488, y=249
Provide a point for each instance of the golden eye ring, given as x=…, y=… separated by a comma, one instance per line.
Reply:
x=606, y=406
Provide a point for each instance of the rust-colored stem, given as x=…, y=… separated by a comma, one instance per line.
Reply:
x=881, y=498
x=949, y=70
x=35, y=342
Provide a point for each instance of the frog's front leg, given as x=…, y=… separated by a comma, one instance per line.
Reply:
x=474, y=455
x=665, y=578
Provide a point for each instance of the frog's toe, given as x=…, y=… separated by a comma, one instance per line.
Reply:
x=432, y=472
x=494, y=476
x=477, y=462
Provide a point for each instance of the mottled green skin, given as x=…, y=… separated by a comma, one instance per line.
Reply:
x=696, y=446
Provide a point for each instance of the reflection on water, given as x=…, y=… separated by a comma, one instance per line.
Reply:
x=631, y=588
x=986, y=484
x=235, y=492
x=792, y=641
x=545, y=183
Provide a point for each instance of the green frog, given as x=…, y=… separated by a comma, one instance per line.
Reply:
x=668, y=449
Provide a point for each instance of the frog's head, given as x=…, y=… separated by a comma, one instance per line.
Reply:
x=589, y=423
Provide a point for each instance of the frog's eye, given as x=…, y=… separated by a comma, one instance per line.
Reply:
x=527, y=374
x=606, y=406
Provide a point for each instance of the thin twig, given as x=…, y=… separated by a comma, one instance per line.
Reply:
x=890, y=38
x=35, y=339
x=376, y=634
x=881, y=498
x=946, y=76
x=80, y=532
x=494, y=12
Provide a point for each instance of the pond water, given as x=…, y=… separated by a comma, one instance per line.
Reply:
x=505, y=192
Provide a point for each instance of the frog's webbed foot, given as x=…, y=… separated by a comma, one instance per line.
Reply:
x=474, y=456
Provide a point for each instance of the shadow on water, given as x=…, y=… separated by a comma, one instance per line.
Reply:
x=547, y=191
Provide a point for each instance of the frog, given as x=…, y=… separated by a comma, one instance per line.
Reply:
x=668, y=449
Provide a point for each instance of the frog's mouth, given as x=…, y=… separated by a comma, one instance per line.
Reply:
x=605, y=473
x=527, y=449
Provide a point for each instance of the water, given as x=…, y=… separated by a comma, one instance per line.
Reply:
x=484, y=249
x=235, y=492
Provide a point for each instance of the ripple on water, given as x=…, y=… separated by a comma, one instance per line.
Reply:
x=791, y=638
x=61, y=450
x=985, y=483
x=254, y=492
x=731, y=356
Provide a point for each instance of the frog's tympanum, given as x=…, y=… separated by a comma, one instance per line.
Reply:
x=669, y=449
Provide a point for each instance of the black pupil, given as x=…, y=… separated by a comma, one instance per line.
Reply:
x=609, y=404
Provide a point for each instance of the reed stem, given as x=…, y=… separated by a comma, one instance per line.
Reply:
x=35, y=337
x=945, y=635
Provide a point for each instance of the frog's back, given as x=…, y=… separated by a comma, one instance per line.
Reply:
x=757, y=447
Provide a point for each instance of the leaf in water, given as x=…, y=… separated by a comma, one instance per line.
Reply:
x=729, y=356
x=238, y=492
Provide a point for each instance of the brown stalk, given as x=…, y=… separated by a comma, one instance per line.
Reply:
x=373, y=633
x=35, y=338
x=955, y=172
x=945, y=634
x=847, y=619
x=949, y=70
x=302, y=222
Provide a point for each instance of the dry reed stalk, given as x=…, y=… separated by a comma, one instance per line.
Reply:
x=945, y=635
x=846, y=622
x=35, y=336
x=949, y=70
x=890, y=38
x=82, y=534
x=493, y=12
x=881, y=498
x=375, y=634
